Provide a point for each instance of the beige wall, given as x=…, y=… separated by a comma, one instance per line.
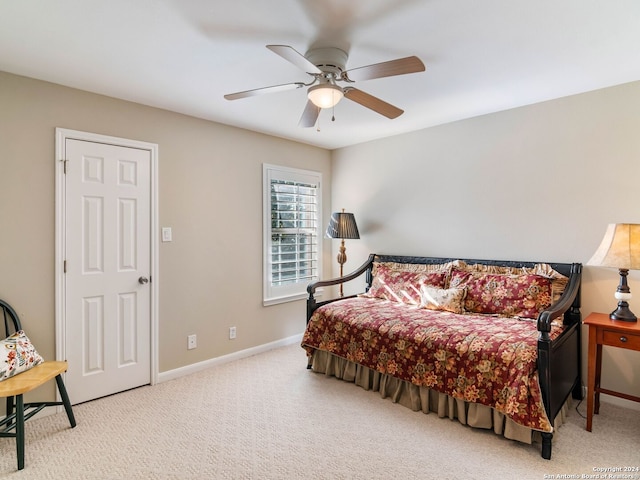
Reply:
x=210, y=193
x=534, y=183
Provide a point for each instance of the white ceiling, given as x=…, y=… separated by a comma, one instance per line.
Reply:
x=481, y=56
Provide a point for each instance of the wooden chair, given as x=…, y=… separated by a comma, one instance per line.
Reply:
x=14, y=387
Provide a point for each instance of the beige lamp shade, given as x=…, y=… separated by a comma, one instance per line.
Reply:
x=620, y=247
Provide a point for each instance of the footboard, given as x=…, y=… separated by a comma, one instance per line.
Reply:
x=559, y=360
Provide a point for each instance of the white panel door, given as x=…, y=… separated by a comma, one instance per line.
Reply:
x=108, y=258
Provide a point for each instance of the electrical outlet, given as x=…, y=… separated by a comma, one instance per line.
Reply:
x=192, y=342
x=232, y=333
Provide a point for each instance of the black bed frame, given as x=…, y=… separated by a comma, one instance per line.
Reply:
x=558, y=360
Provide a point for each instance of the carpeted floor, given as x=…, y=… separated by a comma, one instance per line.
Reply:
x=267, y=417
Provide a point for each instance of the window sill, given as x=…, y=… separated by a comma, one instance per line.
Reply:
x=289, y=298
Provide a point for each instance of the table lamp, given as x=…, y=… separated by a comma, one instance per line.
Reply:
x=620, y=248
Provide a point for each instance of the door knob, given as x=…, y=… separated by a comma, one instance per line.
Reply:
x=143, y=280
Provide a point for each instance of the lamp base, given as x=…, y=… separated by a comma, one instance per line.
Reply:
x=623, y=314
x=342, y=259
x=623, y=293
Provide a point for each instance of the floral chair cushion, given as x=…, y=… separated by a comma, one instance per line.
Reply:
x=17, y=355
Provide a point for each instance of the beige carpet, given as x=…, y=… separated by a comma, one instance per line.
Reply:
x=267, y=417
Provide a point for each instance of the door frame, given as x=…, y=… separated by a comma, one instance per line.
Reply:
x=63, y=134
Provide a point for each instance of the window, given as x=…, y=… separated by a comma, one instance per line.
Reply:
x=291, y=225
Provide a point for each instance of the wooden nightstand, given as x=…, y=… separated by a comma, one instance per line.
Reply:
x=604, y=331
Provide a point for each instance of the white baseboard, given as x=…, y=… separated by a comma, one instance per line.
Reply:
x=197, y=367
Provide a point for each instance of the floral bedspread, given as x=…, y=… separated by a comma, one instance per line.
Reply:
x=476, y=358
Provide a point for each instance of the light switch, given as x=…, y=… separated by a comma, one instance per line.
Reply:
x=166, y=234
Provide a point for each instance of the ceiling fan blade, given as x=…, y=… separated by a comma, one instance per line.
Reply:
x=260, y=91
x=295, y=57
x=401, y=66
x=310, y=115
x=371, y=102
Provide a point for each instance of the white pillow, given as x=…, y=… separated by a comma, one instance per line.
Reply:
x=449, y=299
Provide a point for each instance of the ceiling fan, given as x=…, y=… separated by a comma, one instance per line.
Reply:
x=327, y=67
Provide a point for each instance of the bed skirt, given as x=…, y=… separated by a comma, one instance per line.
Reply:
x=425, y=399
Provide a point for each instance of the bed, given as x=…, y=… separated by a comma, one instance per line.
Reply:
x=503, y=355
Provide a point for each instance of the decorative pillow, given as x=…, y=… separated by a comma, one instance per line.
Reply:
x=413, y=267
x=503, y=294
x=558, y=281
x=449, y=300
x=396, y=284
x=17, y=355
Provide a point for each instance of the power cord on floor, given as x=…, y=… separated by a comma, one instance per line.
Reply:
x=580, y=402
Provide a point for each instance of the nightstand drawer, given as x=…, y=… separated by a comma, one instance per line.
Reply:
x=622, y=340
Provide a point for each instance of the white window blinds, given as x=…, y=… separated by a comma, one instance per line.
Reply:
x=292, y=253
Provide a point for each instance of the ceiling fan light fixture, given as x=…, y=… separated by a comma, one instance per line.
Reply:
x=325, y=95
